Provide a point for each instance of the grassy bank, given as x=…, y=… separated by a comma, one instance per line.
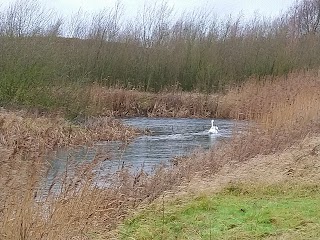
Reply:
x=238, y=212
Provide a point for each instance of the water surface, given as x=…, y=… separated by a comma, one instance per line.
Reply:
x=168, y=138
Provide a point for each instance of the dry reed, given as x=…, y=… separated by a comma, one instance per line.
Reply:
x=122, y=102
x=38, y=134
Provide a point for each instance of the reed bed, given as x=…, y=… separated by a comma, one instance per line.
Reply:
x=285, y=110
x=254, y=100
x=39, y=134
x=82, y=100
x=175, y=103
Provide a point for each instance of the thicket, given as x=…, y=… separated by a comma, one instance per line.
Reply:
x=157, y=50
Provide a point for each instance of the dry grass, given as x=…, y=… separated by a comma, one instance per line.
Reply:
x=175, y=103
x=38, y=134
x=297, y=165
x=257, y=100
x=279, y=98
x=286, y=110
x=97, y=100
x=24, y=142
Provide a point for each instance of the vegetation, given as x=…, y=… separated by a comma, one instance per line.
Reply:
x=27, y=141
x=47, y=61
x=20, y=130
x=262, y=70
x=84, y=210
x=238, y=212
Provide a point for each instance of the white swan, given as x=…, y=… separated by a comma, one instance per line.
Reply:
x=213, y=129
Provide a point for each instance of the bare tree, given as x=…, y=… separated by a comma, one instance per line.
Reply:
x=55, y=29
x=26, y=18
x=78, y=27
x=305, y=17
x=154, y=23
x=107, y=23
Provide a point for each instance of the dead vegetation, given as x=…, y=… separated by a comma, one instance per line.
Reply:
x=174, y=103
x=21, y=131
x=285, y=110
x=296, y=165
x=25, y=140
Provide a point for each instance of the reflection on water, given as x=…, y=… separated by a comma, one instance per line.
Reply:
x=169, y=137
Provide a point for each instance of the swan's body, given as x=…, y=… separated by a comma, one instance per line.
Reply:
x=214, y=129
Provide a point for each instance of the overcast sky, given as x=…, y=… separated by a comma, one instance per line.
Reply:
x=221, y=7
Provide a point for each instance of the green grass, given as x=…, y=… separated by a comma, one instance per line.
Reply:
x=239, y=212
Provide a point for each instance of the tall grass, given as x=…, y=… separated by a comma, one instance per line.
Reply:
x=275, y=100
x=155, y=51
x=22, y=131
x=170, y=103
x=26, y=140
